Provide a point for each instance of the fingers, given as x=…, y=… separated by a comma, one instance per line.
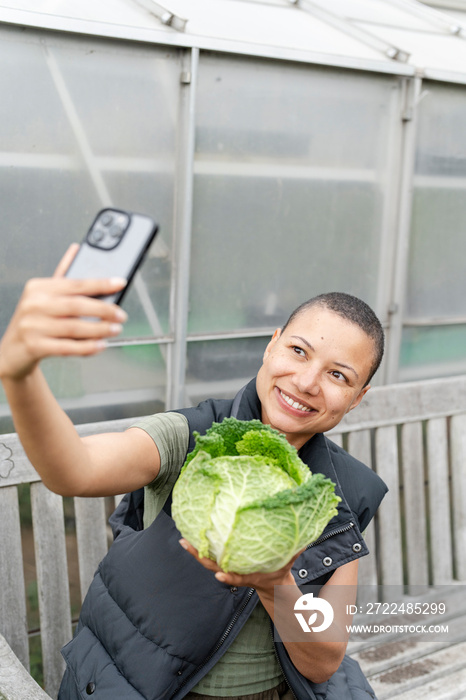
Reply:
x=52, y=347
x=232, y=579
x=57, y=286
x=66, y=260
x=257, y=580
x=43, y=304
x=59, y=317
x=70, y=328
x=55, y=309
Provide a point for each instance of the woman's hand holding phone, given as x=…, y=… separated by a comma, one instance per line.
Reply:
x=52, y=319
x=75, y=311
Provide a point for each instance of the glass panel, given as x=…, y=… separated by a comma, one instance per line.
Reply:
x=436, y=283
x=64, y=153
x=433, y=351
x=120, y=93
x=441, y=148
x=288, y=241
x=86, y=123
x=288, y=203
x=219, y=368
x=120, y=382
x=31, y=113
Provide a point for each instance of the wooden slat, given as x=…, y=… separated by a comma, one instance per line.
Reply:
x=386, y=457
x=439, y=501
x=407, y=402
x=13, y=620
x=450, y=686
x=447, y=607
x=92, y=538
x=368, y=588
x=458, y=466
x=15, y=682
x=414, y=504
x=52, y=579
x=392, y=654
x=359, y=445
x=409, y=680
x=16, y=468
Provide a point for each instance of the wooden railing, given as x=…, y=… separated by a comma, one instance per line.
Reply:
x=413, y=435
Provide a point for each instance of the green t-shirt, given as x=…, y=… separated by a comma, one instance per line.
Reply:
x=250, y=665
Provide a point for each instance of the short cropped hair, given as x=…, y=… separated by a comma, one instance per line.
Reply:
x=353, y=310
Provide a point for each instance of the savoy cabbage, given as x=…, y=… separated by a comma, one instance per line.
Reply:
x=246, y=500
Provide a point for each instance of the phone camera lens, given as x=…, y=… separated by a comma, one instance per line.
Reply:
x=96, y=235
x=106, y=219
x=116, y=231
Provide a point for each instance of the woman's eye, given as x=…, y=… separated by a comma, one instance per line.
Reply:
x=339, y=375
x=298, y=350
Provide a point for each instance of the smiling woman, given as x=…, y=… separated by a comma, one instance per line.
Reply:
x=317, y=368
x=314, y=371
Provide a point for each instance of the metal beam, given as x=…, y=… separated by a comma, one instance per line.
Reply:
x=347, y=27
x=179, y=307
x=166, y=16
x=403, y=229
x=163, y=37
x=441, y=21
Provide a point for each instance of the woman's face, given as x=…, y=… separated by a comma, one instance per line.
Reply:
x=313, y=373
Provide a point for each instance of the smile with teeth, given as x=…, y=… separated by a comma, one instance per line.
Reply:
x=294, y=404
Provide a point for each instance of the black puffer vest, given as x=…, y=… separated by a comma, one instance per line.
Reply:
x=154, y=622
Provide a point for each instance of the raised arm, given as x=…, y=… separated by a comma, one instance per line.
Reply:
x=50, y=320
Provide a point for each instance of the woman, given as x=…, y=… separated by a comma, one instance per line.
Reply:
x=158, y=622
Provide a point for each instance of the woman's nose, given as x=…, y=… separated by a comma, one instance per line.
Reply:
x=308, y=381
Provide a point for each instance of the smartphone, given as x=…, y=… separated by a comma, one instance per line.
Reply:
x=114, y=246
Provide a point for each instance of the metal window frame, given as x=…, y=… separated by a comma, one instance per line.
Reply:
x=413, y=92
x=184, y=180
x=166, y=16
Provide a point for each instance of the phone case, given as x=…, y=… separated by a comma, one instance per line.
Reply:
x=114, y=246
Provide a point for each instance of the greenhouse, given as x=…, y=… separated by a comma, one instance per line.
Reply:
x=285, y=148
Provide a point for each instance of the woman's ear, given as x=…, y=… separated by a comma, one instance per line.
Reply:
x=359, y=397
x=272, y=342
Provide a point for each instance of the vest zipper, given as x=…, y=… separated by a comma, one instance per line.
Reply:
x=234, y=619
x=327, y=535
x=221, y=641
